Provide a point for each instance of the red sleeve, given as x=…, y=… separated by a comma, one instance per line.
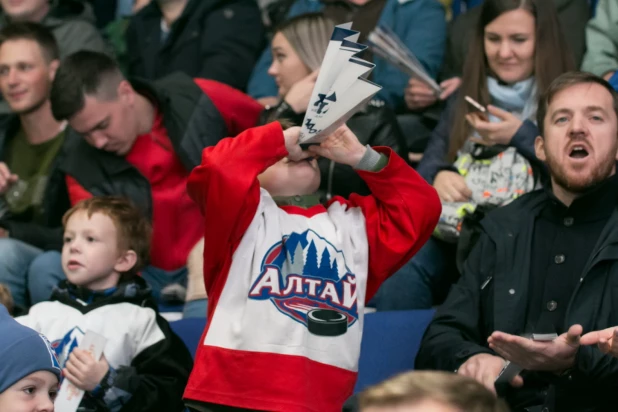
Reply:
x=226, y=188
x=400, y=214
x=239, y=111
x=76, y=191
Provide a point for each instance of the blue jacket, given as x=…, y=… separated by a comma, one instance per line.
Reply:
x=420, y=24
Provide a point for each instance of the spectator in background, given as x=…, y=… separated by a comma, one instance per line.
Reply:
x=421, y=391
x=32, y=185
x=115, y=34
x=478, y=163
x=572, y=14
x=141, y=140
x=298, y=48
x=420, y=24
x=544, y=264
x=602, y=40
x=71, y=21
x=212, y=39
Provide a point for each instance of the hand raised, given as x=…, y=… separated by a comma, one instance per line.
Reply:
x=300, y=93
x=501, y=132
x=342, y=146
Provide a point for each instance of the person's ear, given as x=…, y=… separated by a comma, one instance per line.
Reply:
x=125, y=93
x=53, y=68
x=539, y=148
x=126, y=261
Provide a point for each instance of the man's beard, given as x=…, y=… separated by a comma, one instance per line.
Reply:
x=598, y=175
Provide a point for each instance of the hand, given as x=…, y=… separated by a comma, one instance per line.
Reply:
x=83, y=371
x=451, y=187
x=4, y=232
x=609, y=75
x=555, y=356
x=300, y=93
x=418, y=95
x=485, y=368
x=449, y=86
x=604, y=339
x=6, y=178
x=295, y=152
x=342, y=146
x=496, y=132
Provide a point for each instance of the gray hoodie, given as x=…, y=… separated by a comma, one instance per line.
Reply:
x=73, y=25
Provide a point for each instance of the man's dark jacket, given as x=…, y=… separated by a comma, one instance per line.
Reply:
x=47, y=234
x=192, y=122
x=212, y=39
x=492, y=296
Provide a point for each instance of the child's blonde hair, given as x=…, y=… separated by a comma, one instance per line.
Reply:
x=134, y=231
x=444, y=387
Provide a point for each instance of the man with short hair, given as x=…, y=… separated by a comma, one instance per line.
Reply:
x=32, y=186
x=141, y=140
x=545, y=264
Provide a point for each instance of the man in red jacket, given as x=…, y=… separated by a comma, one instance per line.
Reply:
x=141, y=140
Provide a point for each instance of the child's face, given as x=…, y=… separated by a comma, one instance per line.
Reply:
x=286, y=178
x=90, y=255
x=34, y=393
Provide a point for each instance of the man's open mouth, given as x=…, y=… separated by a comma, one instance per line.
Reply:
x=578, y=152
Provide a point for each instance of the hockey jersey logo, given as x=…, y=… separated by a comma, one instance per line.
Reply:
x=52, y=353
x=63, y=347
x=307, y=279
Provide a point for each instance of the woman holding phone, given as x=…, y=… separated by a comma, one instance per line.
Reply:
x=476, y=159
x=298, y=48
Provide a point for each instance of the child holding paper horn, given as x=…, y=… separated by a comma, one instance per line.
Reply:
x=479, y=159
x=298, y=48
x=144, y=366
x=288, y=278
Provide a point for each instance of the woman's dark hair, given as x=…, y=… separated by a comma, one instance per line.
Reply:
x=552, y=58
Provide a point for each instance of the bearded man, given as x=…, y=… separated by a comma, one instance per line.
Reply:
x=545, y=269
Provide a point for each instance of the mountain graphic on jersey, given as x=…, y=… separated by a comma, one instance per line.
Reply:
x=63, y=347
x=307, y=279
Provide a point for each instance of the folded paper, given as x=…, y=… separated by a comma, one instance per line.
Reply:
x=69, y=397
x=341, y=89
x=384, y=43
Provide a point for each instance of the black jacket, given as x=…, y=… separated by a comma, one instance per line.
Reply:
x=156, y=377
x=192, y=122
x=492, y=296
x=213, y=39
x=376, y=125
x=46, y=235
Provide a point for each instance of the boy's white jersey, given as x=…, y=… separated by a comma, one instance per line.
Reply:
x=287, y=285
x=296, y=278
x=129, y=329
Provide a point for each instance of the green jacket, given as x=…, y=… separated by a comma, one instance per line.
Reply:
x=602, y=39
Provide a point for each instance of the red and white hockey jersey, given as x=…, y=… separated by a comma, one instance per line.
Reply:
x=287, y=285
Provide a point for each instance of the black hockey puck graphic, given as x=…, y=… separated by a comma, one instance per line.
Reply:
x=327, y=322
